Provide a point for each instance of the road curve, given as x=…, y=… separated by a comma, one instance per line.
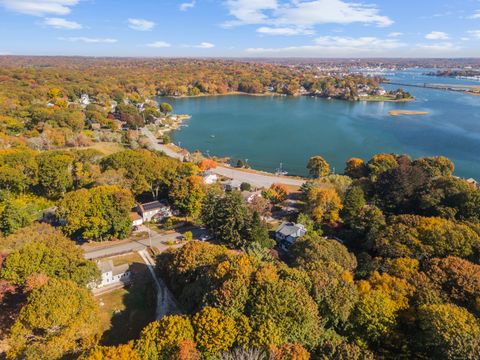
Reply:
x=254, y=178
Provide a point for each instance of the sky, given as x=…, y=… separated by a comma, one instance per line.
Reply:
x=241, y=28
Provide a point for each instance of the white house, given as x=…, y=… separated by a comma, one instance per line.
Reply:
x=154, y=209
x=113, y=274
x=287, y=233
x=249, y=196
x=209, y=177
x=84, y=100
x=136, y=218
x=232, y=185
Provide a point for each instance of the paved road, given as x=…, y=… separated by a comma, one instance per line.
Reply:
x=256, y=179
x=156, y=240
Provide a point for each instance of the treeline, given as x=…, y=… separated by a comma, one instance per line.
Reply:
x=389, y=267
x=93, y=194
x=401, y=280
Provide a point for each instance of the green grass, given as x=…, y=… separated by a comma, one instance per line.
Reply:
x=125, y=312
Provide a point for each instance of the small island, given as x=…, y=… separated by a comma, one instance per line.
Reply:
x=406, y=112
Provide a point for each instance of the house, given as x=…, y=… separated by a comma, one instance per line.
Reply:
x=249, y=196
x=137, y=220
x=472, y=182
x=154, y=210
x=287, y=233
x=113, y=274
x=232, y=185
x=84, y=100
x=209, y=177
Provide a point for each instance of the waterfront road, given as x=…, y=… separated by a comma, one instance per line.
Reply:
x=257, y=179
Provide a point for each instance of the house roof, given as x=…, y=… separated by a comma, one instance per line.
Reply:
x=291, y=229
x=106, y=266
x=151, y=206
x=135, y=216
x=233, y=183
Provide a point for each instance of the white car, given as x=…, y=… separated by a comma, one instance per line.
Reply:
x=206, y=237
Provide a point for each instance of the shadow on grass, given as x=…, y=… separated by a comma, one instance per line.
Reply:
x=139, y=308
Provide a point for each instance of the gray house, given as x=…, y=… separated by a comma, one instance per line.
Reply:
x=287, y=233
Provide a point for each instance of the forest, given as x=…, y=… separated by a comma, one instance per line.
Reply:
x=389, y=267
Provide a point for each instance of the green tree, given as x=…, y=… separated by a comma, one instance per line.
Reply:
x=312, y=249
x=448, y=332
x=258, y=232
x=354, y=202
x=102, y=211
x=13, y=217
x=318, y=167
x=290, y=309
x=59, y=319
x=420, y=237
x=166, y=108
x=227, y=218
x=55, y=256
x=54, y=173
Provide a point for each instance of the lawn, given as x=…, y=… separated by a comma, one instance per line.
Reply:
x=107, y=148
x=125, y=312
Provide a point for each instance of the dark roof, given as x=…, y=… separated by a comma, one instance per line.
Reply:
x=151, y=206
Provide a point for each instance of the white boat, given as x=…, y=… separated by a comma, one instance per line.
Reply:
x=280, y=171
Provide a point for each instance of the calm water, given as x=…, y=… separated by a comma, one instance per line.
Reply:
x=270, y=130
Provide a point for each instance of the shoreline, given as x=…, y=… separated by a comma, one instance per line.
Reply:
x=238, y=93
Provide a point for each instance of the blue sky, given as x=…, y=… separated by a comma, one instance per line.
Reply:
x=241, y=28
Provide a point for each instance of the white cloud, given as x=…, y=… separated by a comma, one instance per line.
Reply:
x=437, y=35
x=395, y=34
x=60, y=23
x=159, y=44
x=89, y=40
x=476, y=15
x=141, y=24
x=303, y=14
x=188, y=5
x=475, y=33
x=443, y=47
x=249, y=11
x=5, y=53
x=204, y=45
x=39, y=7
x=287, y=31
x=334, y=46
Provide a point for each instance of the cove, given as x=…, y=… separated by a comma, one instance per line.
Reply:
x=289, y=130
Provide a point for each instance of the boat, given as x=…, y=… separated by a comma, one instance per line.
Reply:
x=280, y=171
x=212, y=136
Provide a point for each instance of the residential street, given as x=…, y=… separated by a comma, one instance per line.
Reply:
x=156, y=240
x=256, y=179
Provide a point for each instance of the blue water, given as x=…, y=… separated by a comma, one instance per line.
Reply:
x=270, y=130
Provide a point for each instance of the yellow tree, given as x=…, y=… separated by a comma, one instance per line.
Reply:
x=318, y=167
x=214, y=331
x=324, y=204
x=163, y=336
